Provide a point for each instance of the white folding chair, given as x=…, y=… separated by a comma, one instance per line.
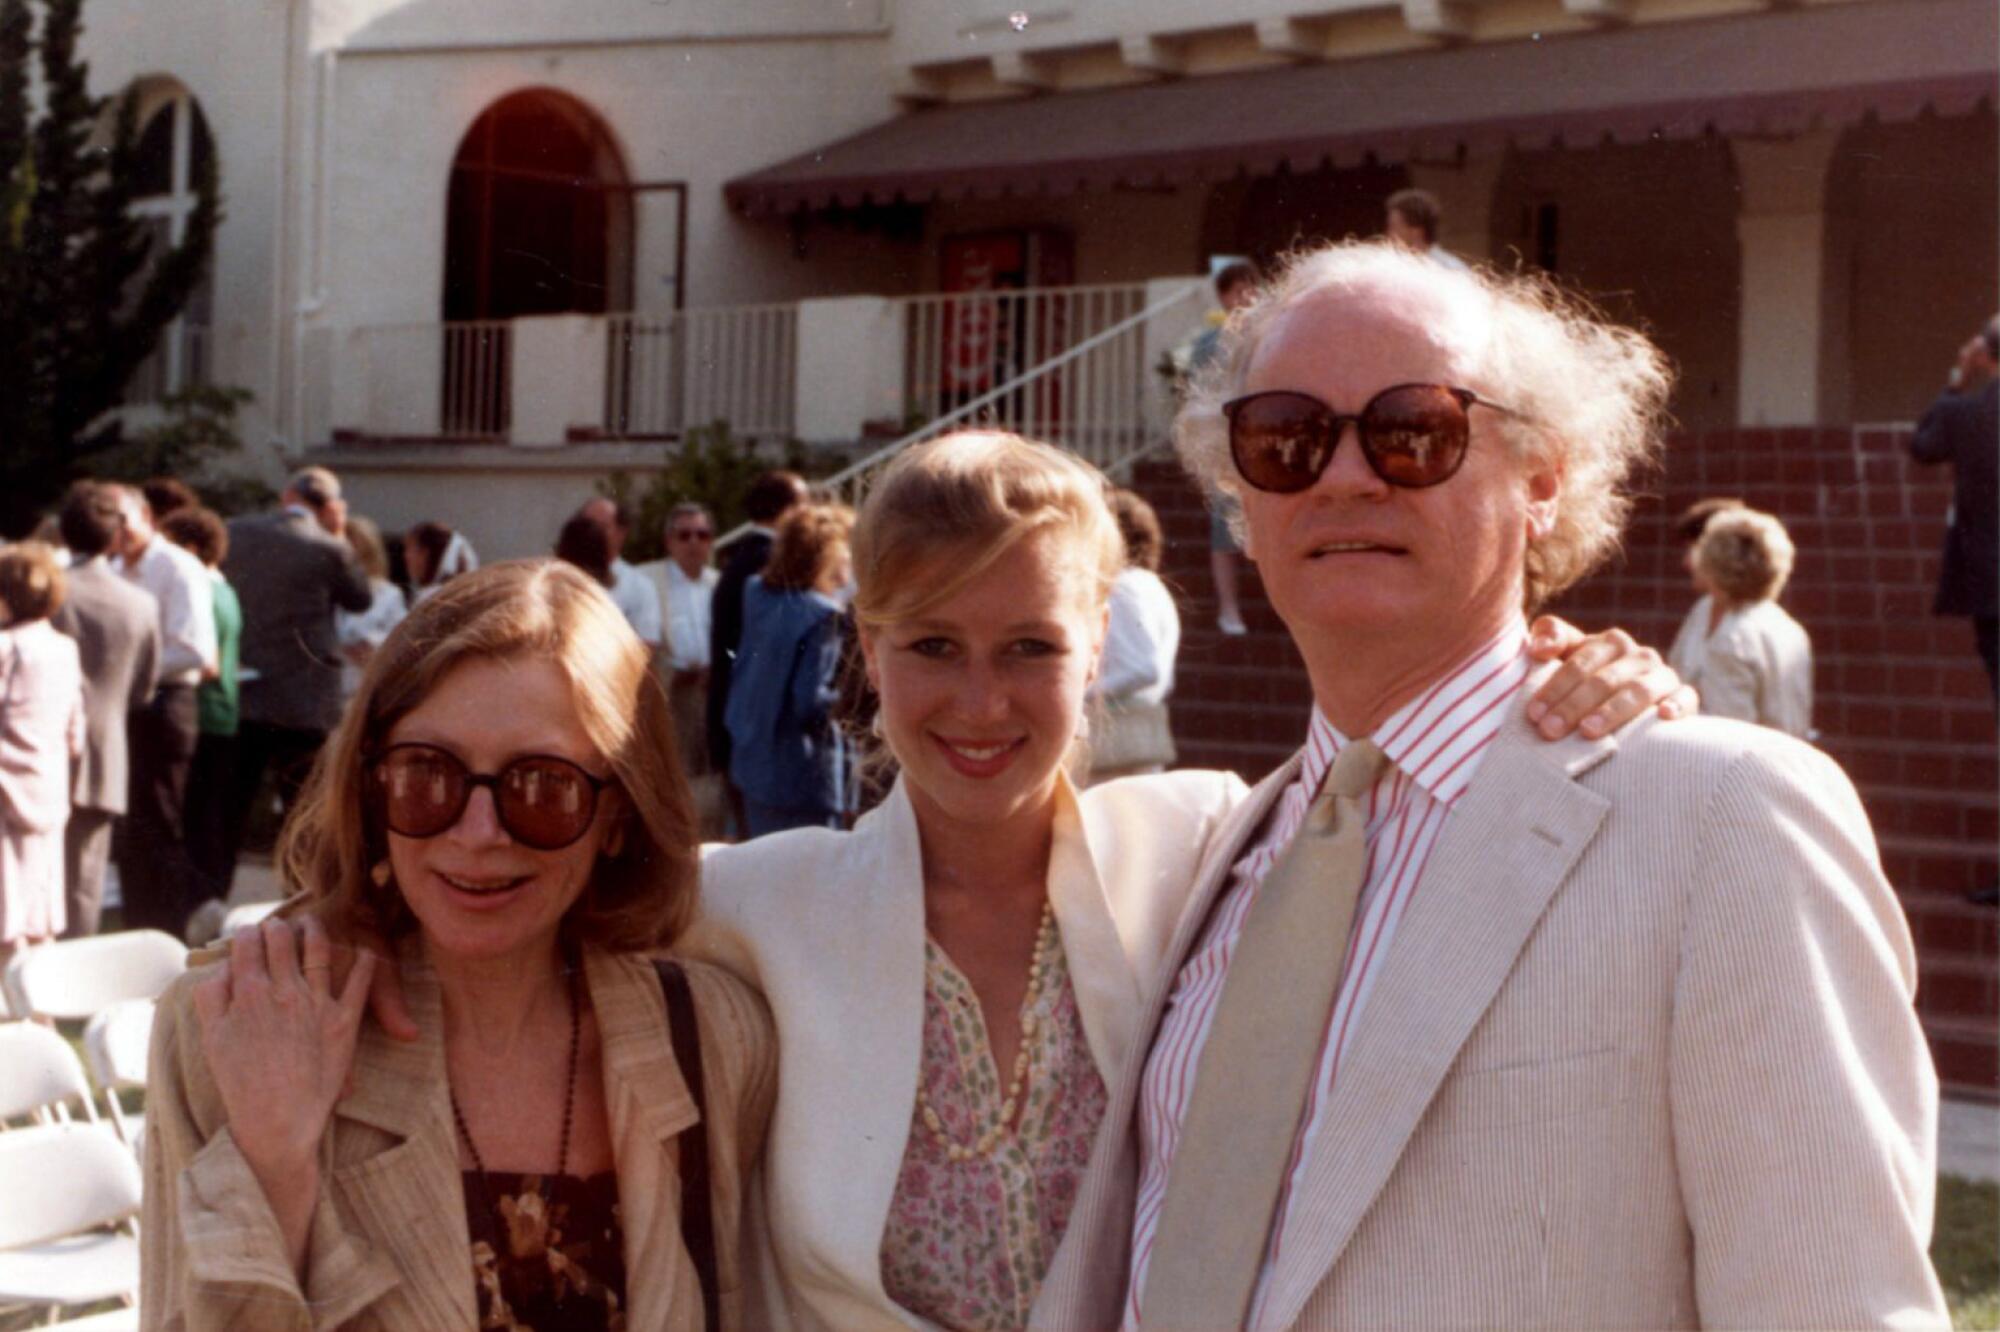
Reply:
x=40, y=1077
x=67, y=1217
x=115, y=1047
x=79, y=978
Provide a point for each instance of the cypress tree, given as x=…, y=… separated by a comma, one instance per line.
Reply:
x=84, y=296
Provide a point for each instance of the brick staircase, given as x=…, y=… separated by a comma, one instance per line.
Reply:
x=1901, y=700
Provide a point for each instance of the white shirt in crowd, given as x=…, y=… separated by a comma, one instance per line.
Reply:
x=1755, y=665
x=1444, y=258
x=371, y=626
x=180, y=584
x=635, y=596
x=1141, y=642
x=688, y=603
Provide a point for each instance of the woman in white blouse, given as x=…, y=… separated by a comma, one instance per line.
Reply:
x=360, y=633
x=1131, y=732
x=1750, y=660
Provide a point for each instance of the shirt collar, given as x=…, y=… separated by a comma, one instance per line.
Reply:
x=302, y=511
x=1437, y=738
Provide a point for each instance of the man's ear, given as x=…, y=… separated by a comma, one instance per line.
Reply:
x=1544, y=496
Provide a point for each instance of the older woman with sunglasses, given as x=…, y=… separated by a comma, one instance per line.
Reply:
x=564, y=1142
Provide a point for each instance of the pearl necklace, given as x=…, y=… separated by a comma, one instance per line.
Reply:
x=1038, y=970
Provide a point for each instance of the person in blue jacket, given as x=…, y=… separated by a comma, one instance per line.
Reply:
x=785, y=753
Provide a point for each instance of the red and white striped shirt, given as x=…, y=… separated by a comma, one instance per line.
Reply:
x=1434, y=743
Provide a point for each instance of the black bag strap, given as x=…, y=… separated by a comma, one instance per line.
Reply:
x=697, y=1208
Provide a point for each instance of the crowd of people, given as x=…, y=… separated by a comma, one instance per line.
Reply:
x=161, y=660
x=1509, y=991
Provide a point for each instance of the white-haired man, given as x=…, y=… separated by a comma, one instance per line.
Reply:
x=1469, y=1029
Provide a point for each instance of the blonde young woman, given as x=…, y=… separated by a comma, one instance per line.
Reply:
x=957, y=979
x=500, y=803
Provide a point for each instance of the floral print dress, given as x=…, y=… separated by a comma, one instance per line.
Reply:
x=969, y=1241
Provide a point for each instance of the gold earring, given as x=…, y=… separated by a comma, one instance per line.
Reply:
x=379, y=875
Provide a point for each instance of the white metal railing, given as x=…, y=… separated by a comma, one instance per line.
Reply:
x=961, y=346
x=734, y=363
x=1107, y=441
x=180, y=360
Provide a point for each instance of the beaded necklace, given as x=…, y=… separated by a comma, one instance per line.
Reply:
x=1038, y=968
x=569, y=1099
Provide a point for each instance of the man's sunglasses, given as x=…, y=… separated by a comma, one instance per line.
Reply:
x=694, y=534
x=542, y=801
x=1412, y=435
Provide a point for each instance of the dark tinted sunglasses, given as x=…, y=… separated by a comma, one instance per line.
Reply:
x=1412, y=435
x=693, y=534
x=542, y=801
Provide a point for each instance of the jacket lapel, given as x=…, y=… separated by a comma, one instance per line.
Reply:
x=873, y=1017
x=1100, y=971
x=1507, y=846
x=650, y=1107
x=409, y=1192
x=1085, y=1286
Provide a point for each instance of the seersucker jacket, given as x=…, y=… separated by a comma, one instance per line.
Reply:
x=389, y=1247
x=1643, y=1056
x=830, y=926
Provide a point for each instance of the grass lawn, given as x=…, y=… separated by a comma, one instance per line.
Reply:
x=1966, y=1249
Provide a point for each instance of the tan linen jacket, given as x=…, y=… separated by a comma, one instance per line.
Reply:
x=830, y=926
x=1642, y=1056
x=389, y=1247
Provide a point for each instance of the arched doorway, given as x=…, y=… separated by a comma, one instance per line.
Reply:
x=538, y=220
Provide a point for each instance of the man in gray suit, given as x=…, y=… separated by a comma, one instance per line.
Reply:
x=117, y=631
x=1464, y=1028
x=292, y=569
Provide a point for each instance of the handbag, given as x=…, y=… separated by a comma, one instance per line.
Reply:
x=697, y=1209
x=1131, y=735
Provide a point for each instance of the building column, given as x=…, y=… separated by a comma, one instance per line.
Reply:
x=1797, y=281
x=849, y=367
x=558, y=377
x=1464, y=193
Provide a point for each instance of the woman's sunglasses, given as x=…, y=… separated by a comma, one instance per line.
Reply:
x=542, y=801
x=1412, y=435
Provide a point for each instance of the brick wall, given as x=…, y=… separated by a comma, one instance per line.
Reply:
x=1900, y=697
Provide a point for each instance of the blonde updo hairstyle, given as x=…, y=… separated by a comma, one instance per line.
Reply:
x=1589, y=395
x=1745, y=556
x=639, y=899
x=947, y=510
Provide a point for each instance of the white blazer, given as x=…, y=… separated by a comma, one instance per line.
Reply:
x=830, y=926
x=1756, y=667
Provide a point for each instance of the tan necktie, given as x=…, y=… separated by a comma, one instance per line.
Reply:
x=1262, y=1052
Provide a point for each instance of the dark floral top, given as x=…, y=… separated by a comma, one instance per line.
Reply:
x=547, y=1251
